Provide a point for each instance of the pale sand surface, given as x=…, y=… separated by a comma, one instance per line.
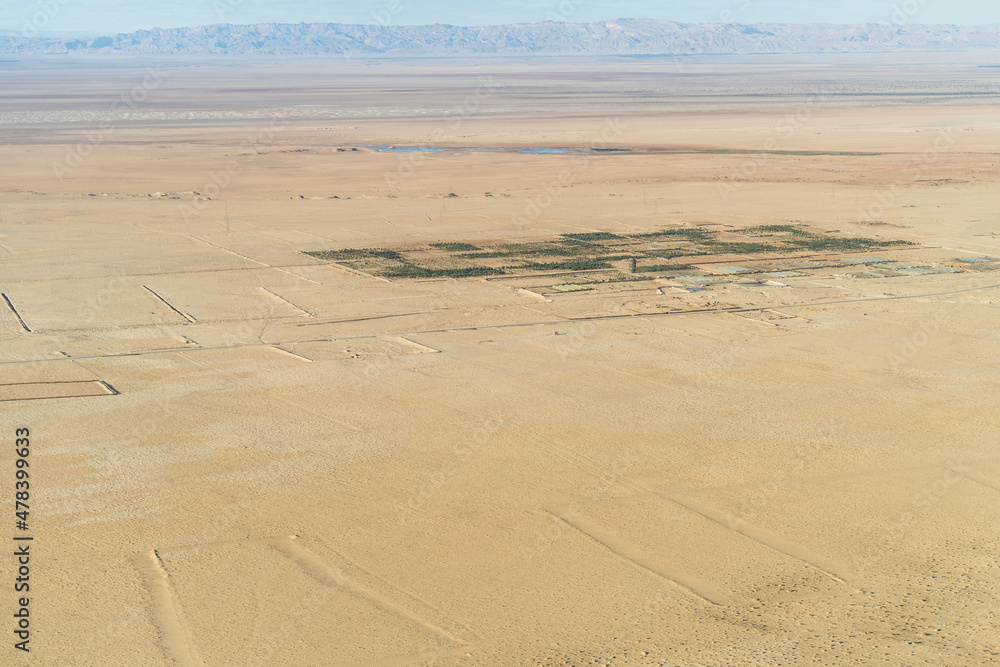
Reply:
x=247, y=456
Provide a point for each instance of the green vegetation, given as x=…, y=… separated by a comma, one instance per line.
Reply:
x=407, y=270
x=455, y=247
x=588, y=251
x=485, y=255
x=738, y=248
x=793, y=238
x=671, y=253
x=834, y=244
x=575, y=264
x=356, y=253
x=592, y=236
x=619, y=258
x=663, y=268
x=674, y=234
x=774, y=229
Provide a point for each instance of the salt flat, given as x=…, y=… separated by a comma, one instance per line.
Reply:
x=300, y=462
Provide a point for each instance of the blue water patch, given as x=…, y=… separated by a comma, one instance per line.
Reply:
x=698, y=280
x=548, y=151
x=928, y=270
x=408, y=149
x=866, y=274
x=899, y=266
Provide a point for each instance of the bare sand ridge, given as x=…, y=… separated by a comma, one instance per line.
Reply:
x=246, y=455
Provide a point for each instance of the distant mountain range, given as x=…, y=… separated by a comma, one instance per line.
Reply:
x=624, y=36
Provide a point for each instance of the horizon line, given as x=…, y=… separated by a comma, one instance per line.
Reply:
x=376, y=24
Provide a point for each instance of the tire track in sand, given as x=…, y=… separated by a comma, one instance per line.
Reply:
x=175, y=637
x=638, y=558
x=323, y=572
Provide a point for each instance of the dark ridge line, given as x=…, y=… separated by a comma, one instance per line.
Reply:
x=19, y=384
x=170, y=306
x=51, y=398
x=16, y=314
x=114, y=392
x=514, y=325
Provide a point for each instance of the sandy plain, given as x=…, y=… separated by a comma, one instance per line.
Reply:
x=243, y=455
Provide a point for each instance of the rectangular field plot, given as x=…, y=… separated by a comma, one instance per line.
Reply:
x=390, y=346
x=240, y=295
x=93, y=303
x=33, y=391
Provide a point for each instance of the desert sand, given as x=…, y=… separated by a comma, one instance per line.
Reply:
x=246, y=455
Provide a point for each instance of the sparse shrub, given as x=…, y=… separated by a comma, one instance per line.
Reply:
x=591, y=236
x=596, y=250
x=738, y=248
x=775, y=229
x=663, y=268
x=455, y=247
x=356, y=253
x=689, y=233
x=408, y=270
x=575, y=264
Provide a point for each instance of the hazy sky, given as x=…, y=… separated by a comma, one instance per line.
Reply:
x=108, y=16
